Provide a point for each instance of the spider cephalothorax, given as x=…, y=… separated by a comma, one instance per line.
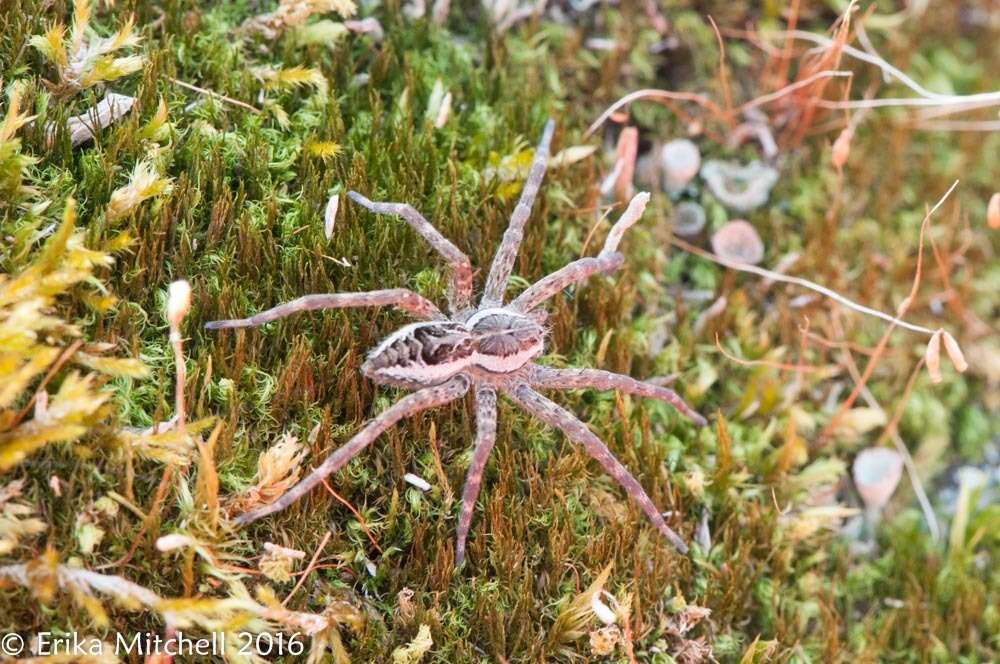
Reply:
x=489, y=347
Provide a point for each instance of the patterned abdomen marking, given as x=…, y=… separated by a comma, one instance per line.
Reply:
x=421, y=352
x=494, y=340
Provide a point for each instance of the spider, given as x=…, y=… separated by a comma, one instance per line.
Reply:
x=489, y=348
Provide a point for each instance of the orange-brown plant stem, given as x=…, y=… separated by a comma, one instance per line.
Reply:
x=361, y=520
x=825, y=435
x=309, y=568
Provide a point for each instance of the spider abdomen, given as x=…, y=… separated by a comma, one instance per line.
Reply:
x=421, y=352
x=495, y=340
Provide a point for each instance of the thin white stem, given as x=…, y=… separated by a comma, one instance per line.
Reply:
x=212, y=93
x=890, y=70
x=823, y=290
x=701, y=100
x=180, y=411
x=798, y=281
x=951, y=110
x=778, y=94
x=959, y=125
x=904, y=102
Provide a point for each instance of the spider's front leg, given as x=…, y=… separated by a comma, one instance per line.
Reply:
x=486, y=436
x=569, y=379
x=503, y=262
x=401, y=298
x=460, y=294
x=608, y=260
x=411, y=404
x=555, y=416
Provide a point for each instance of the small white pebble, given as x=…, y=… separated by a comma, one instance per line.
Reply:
x=444, y=112
x=417, y=481
x=689, y=219
x=737, y=241
x=603, y=612
x=173, y=542
x=742, y=188
x=680, y=160
x=877, y=471
x=330, y=216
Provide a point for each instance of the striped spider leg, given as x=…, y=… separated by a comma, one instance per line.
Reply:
x=460, y=290
x=411, y=404
x=558, y=417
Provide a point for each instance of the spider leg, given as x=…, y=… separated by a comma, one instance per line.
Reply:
x=569, y=274
x=546, y=377
x=556, y=416
x=402, y=298
x=486, y=436
x=461, y=269
x=607, y=261
x=503, y=262
x=411, y=404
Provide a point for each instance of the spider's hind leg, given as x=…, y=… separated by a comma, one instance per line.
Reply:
x=486, y=436
x=570, y=379
x=411, y=404
x=555, y=416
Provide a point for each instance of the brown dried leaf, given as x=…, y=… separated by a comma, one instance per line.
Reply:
x=571, y=155
x=626, y=153
x=932, y=357
x=842, y=148
x=128, y=367
x=278, y=469
x=571, y=623
x=17, y=519
x=993, y=211
x=955, y=353
x=82, y=128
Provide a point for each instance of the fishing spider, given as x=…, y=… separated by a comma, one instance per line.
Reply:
x=489, y=348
